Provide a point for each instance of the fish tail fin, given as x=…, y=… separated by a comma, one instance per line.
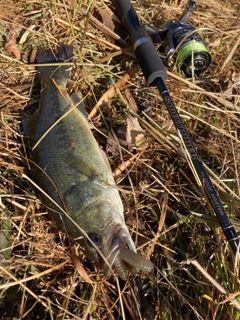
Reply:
x=48, y=56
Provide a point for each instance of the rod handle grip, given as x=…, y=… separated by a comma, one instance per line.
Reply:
x=146, y=54
x=150, y=62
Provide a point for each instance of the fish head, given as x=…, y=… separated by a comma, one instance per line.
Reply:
x=109, y=245
x=104, y=249
x=101, y=230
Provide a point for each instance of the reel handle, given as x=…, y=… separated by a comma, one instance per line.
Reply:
x=146, y=54
x=191, y=6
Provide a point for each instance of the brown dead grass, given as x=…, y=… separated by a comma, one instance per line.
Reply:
x=164, y=208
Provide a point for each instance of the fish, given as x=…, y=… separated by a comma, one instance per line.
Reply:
x=75, y=177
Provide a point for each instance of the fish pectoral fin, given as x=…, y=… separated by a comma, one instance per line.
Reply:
x=82, y=167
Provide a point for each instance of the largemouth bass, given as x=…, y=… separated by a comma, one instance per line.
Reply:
x=68, y=165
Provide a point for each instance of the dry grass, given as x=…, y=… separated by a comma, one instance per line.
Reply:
x=194, y=276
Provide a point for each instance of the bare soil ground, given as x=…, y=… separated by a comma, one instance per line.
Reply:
x=194, y=275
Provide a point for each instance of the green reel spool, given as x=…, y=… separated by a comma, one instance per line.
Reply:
x=192, y=57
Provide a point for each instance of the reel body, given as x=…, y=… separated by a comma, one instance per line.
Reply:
x=181, y=46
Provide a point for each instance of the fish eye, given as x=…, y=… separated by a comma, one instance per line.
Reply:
x=96, y=239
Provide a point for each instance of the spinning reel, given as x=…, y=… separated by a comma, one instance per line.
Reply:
x=181, y=46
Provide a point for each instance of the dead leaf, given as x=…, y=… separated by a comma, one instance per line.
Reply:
x=112, y=25
x=131, y=100
x=25, y=35
x=112, y=146
x=33, y=55
x=107, y=96
x=120, y=171
x=11, y=47
x=131, y=134
x=128, y=135
x=82, y=272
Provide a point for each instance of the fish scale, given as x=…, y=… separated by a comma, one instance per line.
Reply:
x=70, y=168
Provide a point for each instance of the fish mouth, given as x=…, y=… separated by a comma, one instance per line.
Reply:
x=118, y=239
x=123, y=255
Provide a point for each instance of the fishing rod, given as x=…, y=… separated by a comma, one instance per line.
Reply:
x=175, y=34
